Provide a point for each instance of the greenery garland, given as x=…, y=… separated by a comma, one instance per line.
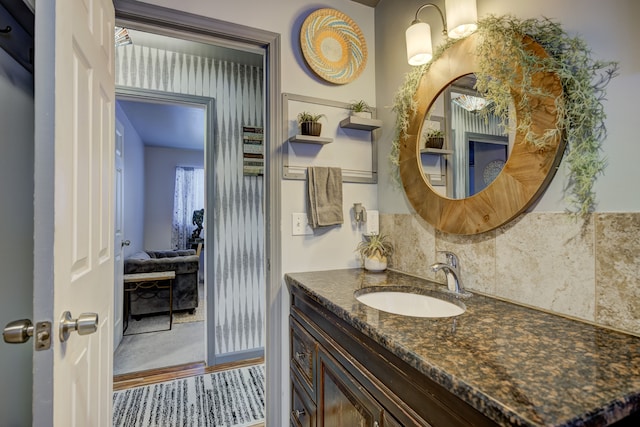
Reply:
x=581, y=112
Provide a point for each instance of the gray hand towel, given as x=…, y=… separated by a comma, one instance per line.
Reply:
x=325, y=196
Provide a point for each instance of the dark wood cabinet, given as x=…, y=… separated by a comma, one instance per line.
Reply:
x=342, y=401
x=303, y=410
x=340, y=377
x=389, y=421
x=303, y=369
x=303, y=354
x=323, y=392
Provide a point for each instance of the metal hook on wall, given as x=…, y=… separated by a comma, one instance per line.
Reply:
x=6, y=30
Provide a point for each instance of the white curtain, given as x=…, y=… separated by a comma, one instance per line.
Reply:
x=189, y=196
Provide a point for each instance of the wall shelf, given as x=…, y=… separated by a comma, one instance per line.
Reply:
x=308, y=139
x=355, y=151
x=360, y=123
x=436, y=151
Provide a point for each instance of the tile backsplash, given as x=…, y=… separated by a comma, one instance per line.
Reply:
x=586, y=270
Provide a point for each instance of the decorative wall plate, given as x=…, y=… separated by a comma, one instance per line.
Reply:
x=333, y=46
x=492, y=170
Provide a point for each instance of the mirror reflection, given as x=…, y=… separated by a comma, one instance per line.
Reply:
x=463, y=144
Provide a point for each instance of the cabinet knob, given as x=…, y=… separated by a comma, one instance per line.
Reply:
x=301, y=356
x=299, y=413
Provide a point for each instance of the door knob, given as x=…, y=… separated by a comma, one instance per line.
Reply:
x=125, y=243
x=18, y=331
x=86, y=323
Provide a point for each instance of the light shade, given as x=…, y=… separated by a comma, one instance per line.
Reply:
x=470, y=103
x=419, y=49
x=462, y=17
x=122, y=36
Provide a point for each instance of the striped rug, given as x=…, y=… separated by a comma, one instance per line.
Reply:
x=232, y=398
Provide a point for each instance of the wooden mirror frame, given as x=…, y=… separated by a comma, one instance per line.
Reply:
x=526, y=174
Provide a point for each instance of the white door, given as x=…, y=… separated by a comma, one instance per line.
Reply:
x=118, y=242
x=73, y=263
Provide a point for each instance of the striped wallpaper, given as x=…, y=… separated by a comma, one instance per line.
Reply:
x=463, y=121
x=238, y=235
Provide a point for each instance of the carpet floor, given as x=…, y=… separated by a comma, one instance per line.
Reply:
x=232, y=398
x=149, y=344
x=186, y=317
x=184, y=343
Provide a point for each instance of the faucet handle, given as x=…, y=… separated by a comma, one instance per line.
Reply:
x=452, y=259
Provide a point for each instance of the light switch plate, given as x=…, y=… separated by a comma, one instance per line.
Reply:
x=300, y=225
x=372, y=226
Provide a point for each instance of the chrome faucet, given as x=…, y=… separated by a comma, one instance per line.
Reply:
x=452, y=272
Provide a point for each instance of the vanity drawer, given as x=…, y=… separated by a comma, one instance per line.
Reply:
x=303, y=352
x=303, y=410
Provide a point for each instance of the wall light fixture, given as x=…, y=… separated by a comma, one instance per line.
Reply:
x=462, y=16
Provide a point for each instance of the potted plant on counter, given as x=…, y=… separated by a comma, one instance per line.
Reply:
x=309, y=124
x=360, y=109
x=374, y=251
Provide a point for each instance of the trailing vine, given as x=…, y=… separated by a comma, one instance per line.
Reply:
x=580, y=117
x=404, y=105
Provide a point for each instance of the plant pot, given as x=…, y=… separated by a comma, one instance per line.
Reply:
x=311, y=128
x=375, y=263
x=435, y=142
x=362, y=114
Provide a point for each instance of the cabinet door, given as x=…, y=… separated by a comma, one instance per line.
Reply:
x=389, y=421
x=341, y=400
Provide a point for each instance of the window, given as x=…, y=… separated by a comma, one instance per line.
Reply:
x=189, y=197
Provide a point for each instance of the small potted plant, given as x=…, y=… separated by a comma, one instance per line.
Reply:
x=374, y=251
x=360, y=109
x=309, y=124
x=434, y=138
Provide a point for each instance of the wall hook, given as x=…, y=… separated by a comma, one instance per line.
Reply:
x=6, y=30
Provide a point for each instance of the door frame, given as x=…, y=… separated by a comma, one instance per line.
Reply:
x=125, y=93
x=118, y=220
x=171, y=22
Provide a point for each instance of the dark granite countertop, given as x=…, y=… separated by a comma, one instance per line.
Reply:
x=516, y=365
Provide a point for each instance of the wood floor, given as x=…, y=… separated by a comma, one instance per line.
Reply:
x=154, y=376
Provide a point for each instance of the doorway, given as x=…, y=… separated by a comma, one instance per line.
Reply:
x=163, y=135
x=132, y=11
x=157, y=68
x=487, y=155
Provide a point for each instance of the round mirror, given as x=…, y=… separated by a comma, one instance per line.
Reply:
x=513, y=183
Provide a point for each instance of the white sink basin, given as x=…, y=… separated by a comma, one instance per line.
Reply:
x=410, y=304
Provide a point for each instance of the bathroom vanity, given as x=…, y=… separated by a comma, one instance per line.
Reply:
x=498, y=363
